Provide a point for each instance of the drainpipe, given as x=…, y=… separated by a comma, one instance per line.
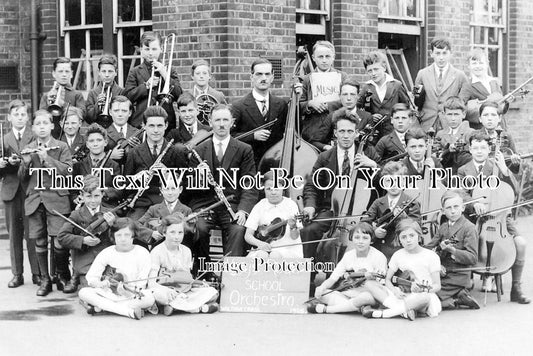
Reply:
x=35, y=37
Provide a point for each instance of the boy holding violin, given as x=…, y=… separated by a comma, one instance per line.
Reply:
x=188, y=125
x=269, y=212
x=359, y=264
x=385, y=212
x=86, y=245
x=177, y=290
x=118, y=276
x=70, y=133
x=480, y=149
x=456, y=243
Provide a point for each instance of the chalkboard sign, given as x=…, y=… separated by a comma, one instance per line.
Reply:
x=265, y=285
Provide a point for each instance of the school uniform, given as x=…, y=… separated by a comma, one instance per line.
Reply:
x=413, y=171
x=390, y=145
x=92, y=107
x=76, y=145
x=444, y=138
x=159, y=211
x=183, y=134
x=476, y=91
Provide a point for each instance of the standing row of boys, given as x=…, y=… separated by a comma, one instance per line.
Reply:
x=134, y=143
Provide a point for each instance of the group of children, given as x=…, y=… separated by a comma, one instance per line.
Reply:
x=119, y=276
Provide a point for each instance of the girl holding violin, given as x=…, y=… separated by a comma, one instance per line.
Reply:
x=272, y=224
x=350, y=295
x=85, y=247
x=121, y=292
x=178, y=291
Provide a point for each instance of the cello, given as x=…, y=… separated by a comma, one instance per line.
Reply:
x=496, y=247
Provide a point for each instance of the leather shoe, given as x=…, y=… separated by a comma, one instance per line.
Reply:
x=71, y=286
x=464, y=299
x=61, y=283
x=36, y=279
x=518, y=297
x=45, y=288
x=16, y=281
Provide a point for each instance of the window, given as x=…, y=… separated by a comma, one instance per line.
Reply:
x=401, y=16
x=81, y=25
x=487, y=26
x=311, y=16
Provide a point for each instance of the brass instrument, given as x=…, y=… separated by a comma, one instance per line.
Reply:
x=164, y=96
x=149, y=102
x=53, y=105
x=104, y=109
x=205, y=103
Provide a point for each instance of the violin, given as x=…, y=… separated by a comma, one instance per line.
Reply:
x=273, y=231
x=182, y=282
x=118, y=285
x=100, y=225
x=407, y=279
x=390, y=216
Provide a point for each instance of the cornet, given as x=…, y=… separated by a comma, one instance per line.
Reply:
x=164, y=96
x=205, y=103
x=104, y=117
x=53, y=105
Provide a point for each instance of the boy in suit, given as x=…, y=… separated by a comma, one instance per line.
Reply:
x=438, y=81
x=140, y=80
x=40, y=204
x=416, y=147
x=13, y=193
x=201, y=74
x=188, y=124
x=381, y=92
x=394, y=143
x=71, y=132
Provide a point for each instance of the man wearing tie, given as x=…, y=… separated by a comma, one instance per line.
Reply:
x=438, y=81
x=258, y=108
x=120, y=111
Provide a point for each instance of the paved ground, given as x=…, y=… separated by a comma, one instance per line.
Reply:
x=58, y=325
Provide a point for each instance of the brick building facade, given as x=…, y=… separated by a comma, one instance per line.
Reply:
x=232, y=33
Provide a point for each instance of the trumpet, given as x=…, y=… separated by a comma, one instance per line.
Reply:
x=53, y=105
x=164, y=96
x=104, y=116
x=205, y=103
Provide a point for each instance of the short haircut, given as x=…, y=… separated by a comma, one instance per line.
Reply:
x=149, y=37
x=477, y=54
x=394, y=168
x=108, y=59
x=259, y=61
x=364, y=228
x=479, y=136
x=441, y=43
x=15, y=104
x=220, y=107
x=489, y=104
x=351, y=80
x=199, y=63
x=185, y=99
x=95, y=128
x=60, y=60
x=43, y=112
x=454, y=103
x=174, y=218
x=90, y=183
x=451, y=194
x=408, y=223
x=121, y=99
x=74, y=111
x=153, y=111
x=326, y=44
x=338, y=118
x=415, y=133
x=122, y=223
x=400, y=107
x=375, y=57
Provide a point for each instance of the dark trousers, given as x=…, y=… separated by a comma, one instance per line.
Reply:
x=17, y=227
x=232, y=234
x=314, y=232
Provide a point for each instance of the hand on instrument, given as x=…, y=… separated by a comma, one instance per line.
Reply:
x=3, y=162
x=100, y=100
x=319, y=291
x=241, y=217
x=309, y=211
x=263, y=246
x=515, y=158
x=109, y=217
x=480, y=208
x=318, y=106
x=415, y=288
x=291, y=222
x=428, y=162
x=161, y=69
x=13, y=159
x=117, y=153
x=262, y=135
x=298, y=88
x=91, y=241
x=327, y=147
x=500, y=162
x=134, y=141
x=380, y=232
x=42, y=153
x=156, y=235
x=376, y=118
x=362, y=160
x=152, y=82
x=442, y=271
x=445, y=245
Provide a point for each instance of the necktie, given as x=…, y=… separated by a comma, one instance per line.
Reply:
x=346, y=164
x=479, y=168
x=154, y=152
x=121, y=132
x=220, y=153
x=264, y=109
x=420, y=167
x=439, y=84
x=19, y=136
x=95, y=162
x=190, y=130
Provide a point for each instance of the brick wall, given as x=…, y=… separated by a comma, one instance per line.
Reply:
x=52, y=47
x=230, y=34
x=15, y=49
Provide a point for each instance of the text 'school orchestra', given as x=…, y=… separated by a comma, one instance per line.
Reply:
x=397, y=251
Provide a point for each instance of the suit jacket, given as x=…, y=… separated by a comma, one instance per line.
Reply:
x=58, y=199
x=114, y=138
x=140, y=158
x=395, y=94
x=181, y=135
x=412, y=171
x=158, y=211
x=473, y=93
x=453, y=82
x=389, y=146
x=238, y=155
x=318, y=198
x=315, y=126
x=72, y=96
x=456, y=159
x=85, y=166
x=470, y=169
x=363, y=119
x=72, y=238
x=248, y=117
x=78, y=144
x=92, y=108
x=9, y=174
x=136, y=91
x=378, y=209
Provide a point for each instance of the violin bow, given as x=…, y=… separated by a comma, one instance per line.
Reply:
x=466, y=202
x=264, y=126
x=527, y=202
x=356, y=279
x=404, y=208
x=206, y=209
x=296, y=244
x=74, y=223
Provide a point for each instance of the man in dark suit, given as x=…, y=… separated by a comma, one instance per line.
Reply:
x=394, y=143
x=341, y=159
x=188, y=125
x=13, y=193
x=258, y=108
x=222, y=152
x=143, y=157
